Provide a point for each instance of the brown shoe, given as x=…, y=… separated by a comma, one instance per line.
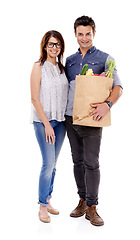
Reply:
x=92, y=215
x=80, y=209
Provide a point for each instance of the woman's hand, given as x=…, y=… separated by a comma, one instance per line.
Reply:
x=99, y=112
x=50, y=135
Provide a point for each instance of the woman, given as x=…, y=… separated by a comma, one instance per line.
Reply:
x=49, y=88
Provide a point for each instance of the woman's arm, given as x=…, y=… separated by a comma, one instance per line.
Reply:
x=35, y=81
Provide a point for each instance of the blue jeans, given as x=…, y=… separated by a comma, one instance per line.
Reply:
x=49, y=157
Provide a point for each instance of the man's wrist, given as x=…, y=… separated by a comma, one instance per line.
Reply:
x=109, y=103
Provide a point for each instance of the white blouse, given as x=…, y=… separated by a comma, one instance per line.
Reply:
x=53, y=93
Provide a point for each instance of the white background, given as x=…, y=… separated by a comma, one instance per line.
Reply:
x=23, y=24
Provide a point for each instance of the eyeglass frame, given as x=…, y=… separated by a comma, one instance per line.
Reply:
x=58, y=45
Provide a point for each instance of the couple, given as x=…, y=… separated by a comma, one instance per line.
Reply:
x=52, y=96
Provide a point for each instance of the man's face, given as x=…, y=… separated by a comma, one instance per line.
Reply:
x=84, y=35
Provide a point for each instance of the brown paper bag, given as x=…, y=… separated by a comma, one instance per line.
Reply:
x=90, y=89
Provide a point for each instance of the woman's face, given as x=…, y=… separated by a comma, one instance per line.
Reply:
x=53, y=48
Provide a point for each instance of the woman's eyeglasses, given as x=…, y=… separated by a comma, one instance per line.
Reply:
x=52, y=44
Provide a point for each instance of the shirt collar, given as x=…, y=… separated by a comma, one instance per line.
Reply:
x=92, y=49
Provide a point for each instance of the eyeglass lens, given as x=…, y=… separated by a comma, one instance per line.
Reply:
x=51, y=45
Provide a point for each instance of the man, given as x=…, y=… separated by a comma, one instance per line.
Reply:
x=85, y=141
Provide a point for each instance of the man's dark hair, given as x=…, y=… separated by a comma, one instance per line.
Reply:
x=84, y=21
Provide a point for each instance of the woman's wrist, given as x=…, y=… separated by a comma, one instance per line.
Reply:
x=46, y=123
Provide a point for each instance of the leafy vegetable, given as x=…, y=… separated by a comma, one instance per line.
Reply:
x=111, y=66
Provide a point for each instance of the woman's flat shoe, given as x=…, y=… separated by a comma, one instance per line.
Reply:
x=44, y=219
x=52, y=210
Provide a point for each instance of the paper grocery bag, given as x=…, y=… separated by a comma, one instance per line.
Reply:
x=90, y=89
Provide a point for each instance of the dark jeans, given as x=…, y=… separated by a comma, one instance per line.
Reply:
x=85, y=147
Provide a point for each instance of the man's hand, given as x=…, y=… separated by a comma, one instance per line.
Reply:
x=101, y=109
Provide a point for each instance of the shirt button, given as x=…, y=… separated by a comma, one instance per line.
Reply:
x=81, y=64
x=92, y=63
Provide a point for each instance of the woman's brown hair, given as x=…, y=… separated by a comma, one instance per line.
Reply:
x=44, y=41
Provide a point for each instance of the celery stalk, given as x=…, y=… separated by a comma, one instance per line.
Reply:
x=111, y=66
